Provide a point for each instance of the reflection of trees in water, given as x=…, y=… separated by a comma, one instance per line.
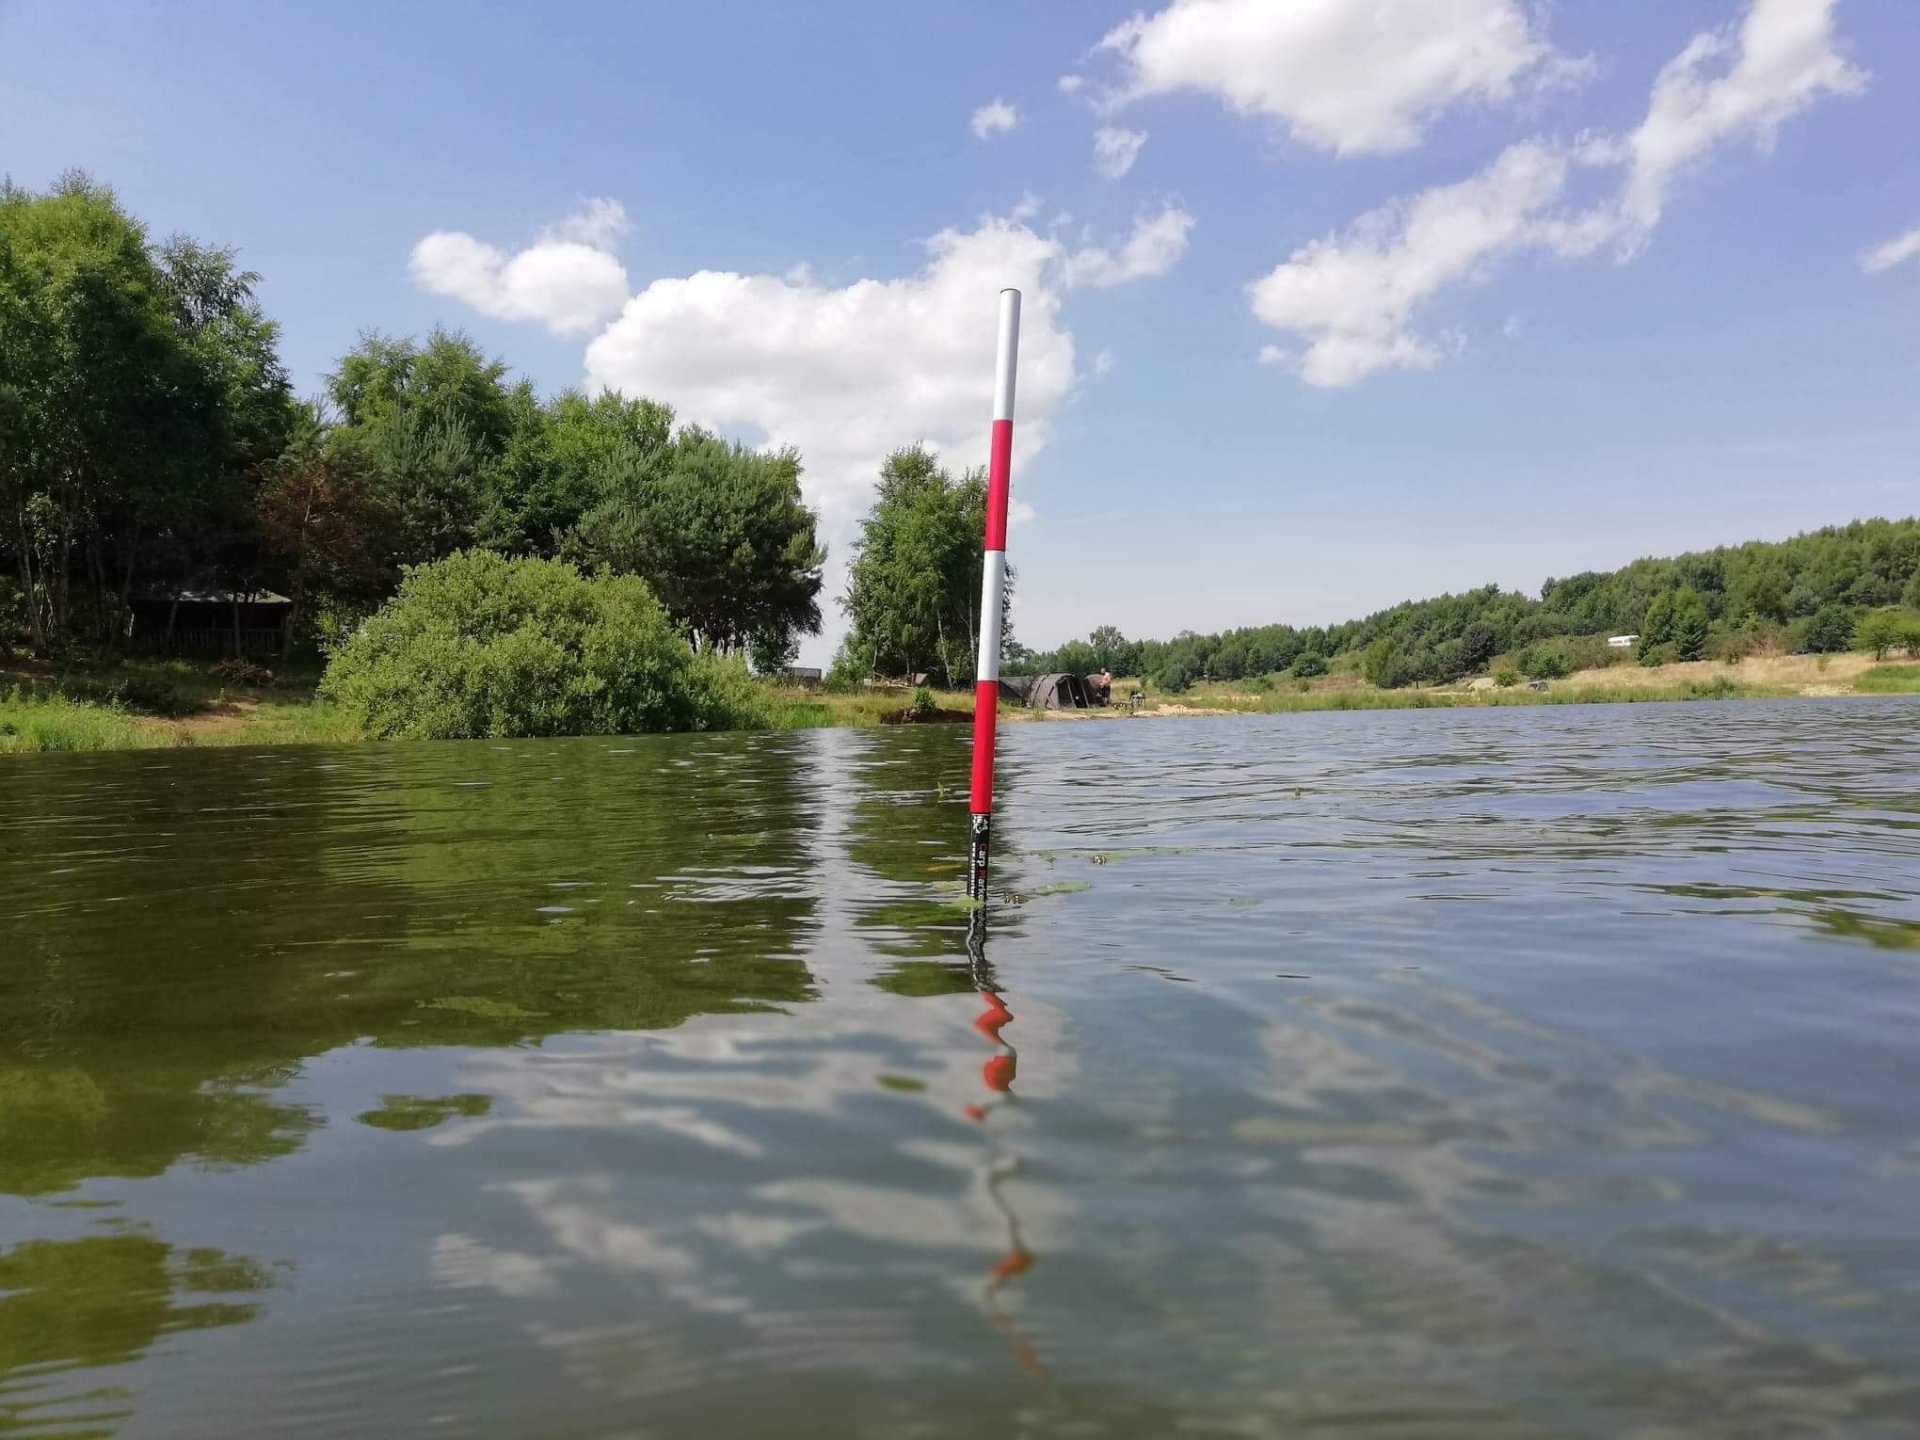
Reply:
x=103, y=1300
x=225, y=917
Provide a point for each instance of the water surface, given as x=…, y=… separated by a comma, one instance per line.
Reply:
x=1485, y=1073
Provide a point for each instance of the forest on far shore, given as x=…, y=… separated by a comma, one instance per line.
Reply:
x=1830, y=590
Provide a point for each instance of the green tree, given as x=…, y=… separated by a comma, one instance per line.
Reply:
x=1830, y=629
x=1656, y=626
x=1479, y=643
x=562, y=459
x=142, y=390
x=1110, y=649
x=1308, y=664
x=1880, y=631
x=27, y=362
x=914, y=584
x=448, y=381
x=1690, y=624
x=320, y=516
x=721, y=535
x=431, y=423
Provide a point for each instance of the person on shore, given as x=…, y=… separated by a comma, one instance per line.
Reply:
x=1103, y=687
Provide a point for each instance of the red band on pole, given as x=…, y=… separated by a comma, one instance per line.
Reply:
x=999, y=475
x=986, y=704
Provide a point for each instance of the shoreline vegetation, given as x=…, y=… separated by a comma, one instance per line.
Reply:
x=431, y=549
x=113, y=704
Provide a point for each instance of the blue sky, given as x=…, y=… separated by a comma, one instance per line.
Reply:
x=1595, y=315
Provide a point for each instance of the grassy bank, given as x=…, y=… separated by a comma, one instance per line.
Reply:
x=140, y=704
x=130, y=704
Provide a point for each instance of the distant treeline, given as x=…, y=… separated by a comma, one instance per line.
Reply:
x=1809, y=592
x=151, y=443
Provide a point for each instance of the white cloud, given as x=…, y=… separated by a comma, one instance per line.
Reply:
x=1103, y=363
x=1351, y=76
x=598, y=224
x=1114, y=151
x=1894, y=252
x=1153, y=248
x=848, y=374
x=568, y=280
x=1784, y=60
x=1072, y=84
x=1352, y=298
x=994, y=118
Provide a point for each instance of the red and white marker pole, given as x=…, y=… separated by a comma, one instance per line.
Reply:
x=993, y=587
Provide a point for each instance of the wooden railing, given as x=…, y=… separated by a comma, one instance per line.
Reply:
x=216, y=640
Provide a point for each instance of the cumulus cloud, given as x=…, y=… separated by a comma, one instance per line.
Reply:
x=1114, y=150
x=1783, y=60
x=1154, y=247
x=568, y=280
x=1352, y=297
x=598, y=224
x=1350, y=76
x=994, y=118
x=1896, y=251
x=848, y=373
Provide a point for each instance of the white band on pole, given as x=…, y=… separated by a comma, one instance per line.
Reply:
x=1003, y=368
x=993, y=586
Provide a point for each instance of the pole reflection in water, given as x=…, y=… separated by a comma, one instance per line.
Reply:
x=997, y=1075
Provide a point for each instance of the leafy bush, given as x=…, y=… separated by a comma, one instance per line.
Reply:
x=1506, y=677
x=1829, y=630
x=1176, y=675
x=1307, y=665
x=142, y=692
x=924, y=704
x=1720, y=687
x=1549, y=660
x=1733, y=646
x=479, y=645
x=1386, y=666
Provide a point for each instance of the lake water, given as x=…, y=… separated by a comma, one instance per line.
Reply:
x=1484, y=1073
